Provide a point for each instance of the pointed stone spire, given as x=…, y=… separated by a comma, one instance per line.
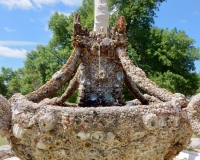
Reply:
x=101, y=16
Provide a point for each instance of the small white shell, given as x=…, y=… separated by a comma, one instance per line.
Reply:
x=97, y=136
x=47, y=122
x=79, y=155
x=41, y=145
x=57, y=75
x=83, y=135
x=110, y=136
x=150, y=121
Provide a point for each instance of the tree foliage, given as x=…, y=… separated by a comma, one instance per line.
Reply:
x=9, y=82
x=61, y=26
x=172, y=55
x=3, y=87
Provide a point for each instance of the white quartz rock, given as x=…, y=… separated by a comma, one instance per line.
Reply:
x=18, y=131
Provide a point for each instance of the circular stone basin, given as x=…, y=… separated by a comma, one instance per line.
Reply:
x=43, y=132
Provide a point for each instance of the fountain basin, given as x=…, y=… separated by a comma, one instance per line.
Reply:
x=42, y=131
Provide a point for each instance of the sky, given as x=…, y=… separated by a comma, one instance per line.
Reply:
x=24, y=24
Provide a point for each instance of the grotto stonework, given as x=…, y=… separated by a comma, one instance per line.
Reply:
x=155, y=126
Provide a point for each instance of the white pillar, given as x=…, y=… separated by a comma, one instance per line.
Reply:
x=101, y=15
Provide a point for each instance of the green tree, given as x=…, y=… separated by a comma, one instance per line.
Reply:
x=9, y=82
x=61, y=26
x=171, y=55
x=3, y=87
x=7, y=74
x=42, y=63
x=198, y=90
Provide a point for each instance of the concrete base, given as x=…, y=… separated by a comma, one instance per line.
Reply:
x=188, y=155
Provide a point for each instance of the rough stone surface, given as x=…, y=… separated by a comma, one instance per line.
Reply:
x=193, y=111
x=151, y=132
x=5, y=116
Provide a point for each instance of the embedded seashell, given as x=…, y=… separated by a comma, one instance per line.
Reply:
x=163, y=134
x=108, y=96
x=41, y=145
x=18, y=131
x=83, y=135
x=93, y=97
x=110, y=136
x=93, y=152
x=19, y=116
x=88, y=83
x=58, y=143
x=184, y=114
x=79, y=155
x=60, y=153
x=57, y=75
x=47, y=122
x=116, y=143
x=104, y=146
x=81, y=87
x=39, y=152
x=115, y=152
x=82, y=67
x=15, y=109
x=102, y=74
x=97, y=136
x=150, y=121
x=119, y=76
x=117, y=85
x=32, y=121
x=162, y=122
x=82, y=78
x=106, y=41
x=63, y=153
x=173, y=121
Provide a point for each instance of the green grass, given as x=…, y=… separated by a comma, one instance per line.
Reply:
x=3, y=141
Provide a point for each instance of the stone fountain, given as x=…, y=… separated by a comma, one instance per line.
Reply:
x=155, y=126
